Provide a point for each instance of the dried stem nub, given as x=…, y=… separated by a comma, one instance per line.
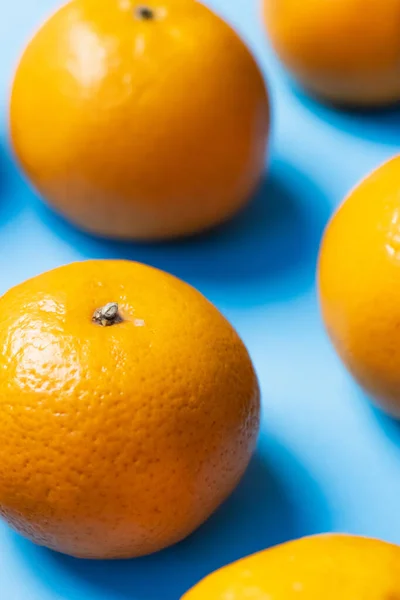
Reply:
x=144, y=13
x=107, y=315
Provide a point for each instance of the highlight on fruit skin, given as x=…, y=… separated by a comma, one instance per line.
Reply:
x=324, y=567
x=359, y=285
x=129, y=409
x=342, y=51
x=145, y=120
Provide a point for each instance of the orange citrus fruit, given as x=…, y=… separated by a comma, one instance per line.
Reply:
x=325, y=567
x=129, y=409
x=143, y=120
x=345, y=51
x=360, y=284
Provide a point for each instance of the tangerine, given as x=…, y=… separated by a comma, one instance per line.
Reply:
x=129, y=409
x=140, y=120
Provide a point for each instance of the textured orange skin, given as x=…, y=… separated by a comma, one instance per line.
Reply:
x=345, y=51
x=328, y=567
x=118, y=441
x=140, y=129
x=359, y=281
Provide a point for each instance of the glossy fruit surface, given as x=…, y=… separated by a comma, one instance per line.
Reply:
x=345, y=51
x=315, y=568
x=144, y=120
x=122, y=429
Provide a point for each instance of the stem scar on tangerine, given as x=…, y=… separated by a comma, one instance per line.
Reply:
x=144, y=13
x=107, y=315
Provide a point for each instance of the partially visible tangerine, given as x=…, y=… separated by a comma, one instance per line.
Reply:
x=359, y=284
x=343, y=51
x=324, y=567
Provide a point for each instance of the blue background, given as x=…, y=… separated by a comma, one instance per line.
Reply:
x=326, y=459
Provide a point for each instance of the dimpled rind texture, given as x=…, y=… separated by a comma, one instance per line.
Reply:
x=328, y=567
x=359, y=284
x=119, y=441
x=143, y=129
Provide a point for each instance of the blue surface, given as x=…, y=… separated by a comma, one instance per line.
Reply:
x=326, y=459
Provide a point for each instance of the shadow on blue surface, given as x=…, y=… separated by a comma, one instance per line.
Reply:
x=273, y=242
x=381, y=125
x=276, y=501
x=389, y=425
x=10, y=203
